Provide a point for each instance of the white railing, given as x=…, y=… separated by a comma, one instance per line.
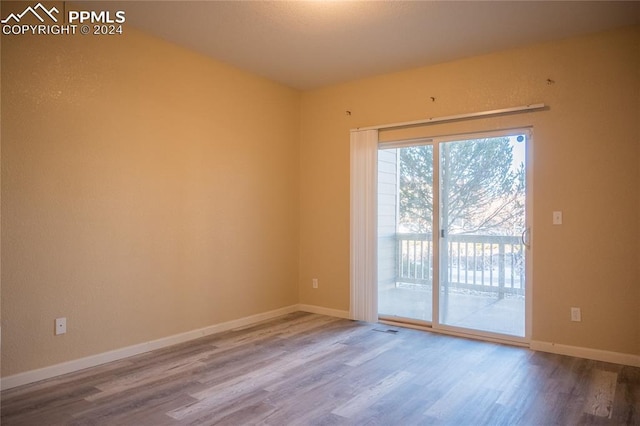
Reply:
x=476, y=262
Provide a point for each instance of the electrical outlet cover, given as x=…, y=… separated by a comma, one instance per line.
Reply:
x=61, y=326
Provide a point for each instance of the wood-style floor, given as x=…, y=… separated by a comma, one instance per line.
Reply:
x=306, y=369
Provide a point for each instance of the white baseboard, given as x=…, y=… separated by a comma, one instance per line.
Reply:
x=324, y=311
x=588, y=353
x=117, y=354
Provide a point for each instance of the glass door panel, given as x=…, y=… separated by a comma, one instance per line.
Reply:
x=482, y=220
x=405, y=227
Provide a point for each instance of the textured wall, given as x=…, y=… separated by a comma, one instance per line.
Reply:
x=585, y=163
x=146, y=191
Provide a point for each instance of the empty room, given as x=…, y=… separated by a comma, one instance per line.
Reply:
x=320, y=213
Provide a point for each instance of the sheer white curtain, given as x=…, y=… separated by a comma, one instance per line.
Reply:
x=364, y=176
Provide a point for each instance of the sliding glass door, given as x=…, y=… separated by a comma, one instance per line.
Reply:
x=472, y=192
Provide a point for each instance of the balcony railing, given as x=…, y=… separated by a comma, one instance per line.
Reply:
x=488, y=263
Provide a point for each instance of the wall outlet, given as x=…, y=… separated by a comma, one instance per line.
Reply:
x=61, y=326
x=557, y=218
x=314, y=283
x=576, y=315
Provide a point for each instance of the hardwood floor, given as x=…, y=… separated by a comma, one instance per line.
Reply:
x=306, y=369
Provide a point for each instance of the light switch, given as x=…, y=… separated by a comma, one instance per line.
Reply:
x=557, y=218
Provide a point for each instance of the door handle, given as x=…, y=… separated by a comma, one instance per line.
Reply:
x=524, y=237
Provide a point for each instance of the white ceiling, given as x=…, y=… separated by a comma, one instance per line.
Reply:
x=309, y=44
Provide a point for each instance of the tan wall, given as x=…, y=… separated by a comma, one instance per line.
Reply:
x=146, y=191
x=585, y=162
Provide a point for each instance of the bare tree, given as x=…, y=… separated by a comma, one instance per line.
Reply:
x=481, y=190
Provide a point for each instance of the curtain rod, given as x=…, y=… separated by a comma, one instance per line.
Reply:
x=424, y=121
